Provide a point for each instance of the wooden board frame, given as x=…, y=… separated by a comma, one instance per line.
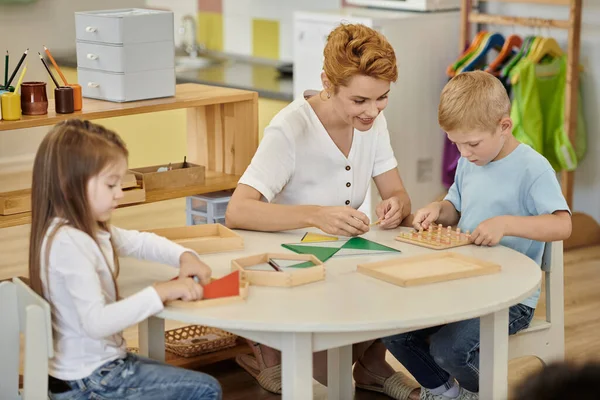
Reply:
x=203, y=239
x=377, y=269
x=424, y=241
x=175, y=178
x=280, y=278
x=244, y=288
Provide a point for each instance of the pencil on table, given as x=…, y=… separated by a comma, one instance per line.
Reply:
x=56, y=66
x=6, y=70
x=20, y=79
x=17, y=68
x=48, y=69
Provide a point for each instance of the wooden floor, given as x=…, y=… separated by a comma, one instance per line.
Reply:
x=582, y=301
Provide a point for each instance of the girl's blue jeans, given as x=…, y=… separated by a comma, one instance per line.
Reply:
x=137, y=378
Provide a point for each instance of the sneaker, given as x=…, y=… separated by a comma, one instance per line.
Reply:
x=466, y=395
x=427, y=395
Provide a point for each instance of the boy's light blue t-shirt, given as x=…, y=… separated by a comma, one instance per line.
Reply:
x=521, y=184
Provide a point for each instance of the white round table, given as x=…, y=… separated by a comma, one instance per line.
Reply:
x=349, y=307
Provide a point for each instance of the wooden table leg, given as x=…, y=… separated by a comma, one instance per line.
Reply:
x=151, y=334
x=493, y=362
x=296, y=366
x=339, y=373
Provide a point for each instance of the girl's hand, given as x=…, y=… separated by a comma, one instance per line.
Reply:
x=185, y=289
x=426, y=216
x=389, y=212
x=489, y=232
x=190, y=266
x=345, y=221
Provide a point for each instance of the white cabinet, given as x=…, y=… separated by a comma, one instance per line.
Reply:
x=125, y=55
x=424, y=43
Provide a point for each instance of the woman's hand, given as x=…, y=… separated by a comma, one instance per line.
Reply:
x=389, y=212
x=344, y=221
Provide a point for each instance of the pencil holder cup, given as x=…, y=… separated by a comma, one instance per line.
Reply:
x=63, y=100
x=11, y=106
x=34, y=100
x=77, y=101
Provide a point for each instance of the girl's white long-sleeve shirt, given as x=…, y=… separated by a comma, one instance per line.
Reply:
x=87, y=319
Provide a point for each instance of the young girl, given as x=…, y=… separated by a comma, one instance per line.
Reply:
x=74, y=261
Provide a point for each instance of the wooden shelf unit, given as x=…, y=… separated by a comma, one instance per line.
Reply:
x=222, y=134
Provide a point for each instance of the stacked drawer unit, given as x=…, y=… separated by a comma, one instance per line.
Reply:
x=125, y=55
x=208, y=208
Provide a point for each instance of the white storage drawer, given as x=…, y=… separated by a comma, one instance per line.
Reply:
x=135, y=57
x=123, y=87
x=133, y=25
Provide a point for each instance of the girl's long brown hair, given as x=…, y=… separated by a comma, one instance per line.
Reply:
x=71, y=153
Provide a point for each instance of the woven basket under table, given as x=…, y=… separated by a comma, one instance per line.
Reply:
x=193, y=340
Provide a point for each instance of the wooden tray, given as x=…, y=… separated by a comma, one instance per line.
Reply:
x=129, y=181
x=15, y=202
x=430, y=268
x=244, y=285
x=134, y=190
x=286, y=278
x=176, y=178
x=436, y=237
x=203, y=239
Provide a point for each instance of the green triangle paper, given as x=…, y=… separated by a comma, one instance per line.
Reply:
x=322, y=253
x=364, y=244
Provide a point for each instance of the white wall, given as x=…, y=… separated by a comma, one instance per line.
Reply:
x=45, y=22
x=587, y=176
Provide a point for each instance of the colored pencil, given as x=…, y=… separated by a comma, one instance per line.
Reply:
x=48, y=69
x=56, y=66
x=16, y=69
x=20, y=79
x=6, y=70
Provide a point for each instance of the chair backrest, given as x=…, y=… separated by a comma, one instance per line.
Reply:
x=553, y=267
x=23, y=311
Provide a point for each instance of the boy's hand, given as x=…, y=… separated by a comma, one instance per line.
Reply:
x=427, y=216
x=389, y=212
x=489, y=232
x=185, y=289
x=190, y=266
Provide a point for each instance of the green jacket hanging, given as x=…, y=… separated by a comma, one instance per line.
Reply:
x=538, y=112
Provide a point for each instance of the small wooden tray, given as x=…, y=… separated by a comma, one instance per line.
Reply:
x=436, y=237
x=203, y=239
x=175, y=178
x=430, y=268
x=244, y=285
x=15, y=202
x=129, y=181
x=287, y=278
x=133, y=190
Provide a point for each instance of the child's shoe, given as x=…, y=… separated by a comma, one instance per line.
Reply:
x=464, y=394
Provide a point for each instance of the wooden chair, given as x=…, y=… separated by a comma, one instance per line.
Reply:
x=23, y=311
x=545, y=338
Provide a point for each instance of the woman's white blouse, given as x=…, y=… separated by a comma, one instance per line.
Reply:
x=297, y=162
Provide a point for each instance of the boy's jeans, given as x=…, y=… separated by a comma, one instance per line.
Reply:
x=434, y=355
x=136, y=378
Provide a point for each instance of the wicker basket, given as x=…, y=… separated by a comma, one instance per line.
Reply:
x=193, y=340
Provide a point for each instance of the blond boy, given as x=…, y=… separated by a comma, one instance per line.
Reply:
x=504, y=192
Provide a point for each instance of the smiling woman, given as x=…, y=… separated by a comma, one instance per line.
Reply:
x=313, y=168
